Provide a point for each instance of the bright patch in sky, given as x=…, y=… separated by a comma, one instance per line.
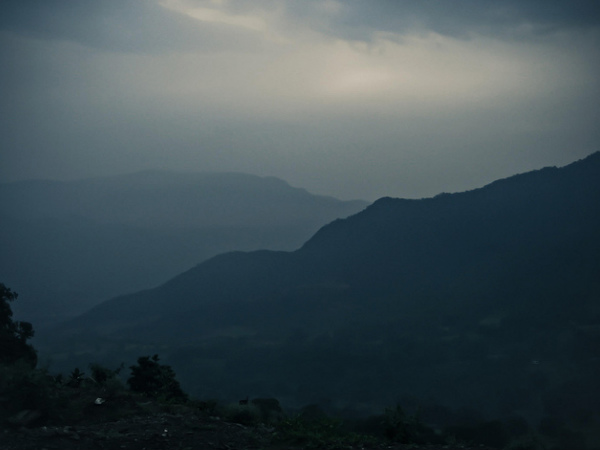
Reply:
x=215, y=15
x=347, y=98
x=300, y=69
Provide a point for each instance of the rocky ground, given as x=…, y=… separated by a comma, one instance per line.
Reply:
x=162, y=431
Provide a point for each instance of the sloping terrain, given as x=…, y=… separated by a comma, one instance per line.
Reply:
x=69, y=245
x=487, y=300
x=532, y=233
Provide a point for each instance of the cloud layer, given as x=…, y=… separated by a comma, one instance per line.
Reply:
x=349, y=98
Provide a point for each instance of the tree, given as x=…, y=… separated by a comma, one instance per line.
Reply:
x=154, y=379
x=14, y=334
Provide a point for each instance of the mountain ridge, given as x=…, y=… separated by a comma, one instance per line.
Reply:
x=73, y=244
x=485, y=301
x=416, y=216
x=122, y=198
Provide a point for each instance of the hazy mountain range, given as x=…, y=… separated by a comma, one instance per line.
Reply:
x=69, y=245
x=487, y=299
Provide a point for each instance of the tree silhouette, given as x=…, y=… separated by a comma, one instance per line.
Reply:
x=14, y=334
x=154, y=379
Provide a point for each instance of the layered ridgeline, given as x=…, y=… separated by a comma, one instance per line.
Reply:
x=487, y=299
x=69, y=245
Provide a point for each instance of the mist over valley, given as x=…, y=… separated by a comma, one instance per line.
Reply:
x=70, y=245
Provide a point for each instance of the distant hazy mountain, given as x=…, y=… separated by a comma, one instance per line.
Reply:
x=69, y=245
x=487, y=299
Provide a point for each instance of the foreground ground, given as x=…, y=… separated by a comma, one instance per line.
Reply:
x=167, y=431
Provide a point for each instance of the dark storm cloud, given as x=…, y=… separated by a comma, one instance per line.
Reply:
x=464, y=16
x=357, y=99
x=118, y=25
x=146, y=26
x=360, y=19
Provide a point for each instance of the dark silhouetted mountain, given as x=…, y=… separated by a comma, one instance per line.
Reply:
x=68, y=245
x=486, y=299
x=528, y=226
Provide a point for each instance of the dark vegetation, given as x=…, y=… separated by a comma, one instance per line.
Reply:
x=14, y=334
x=154, y=379
x=98, y=411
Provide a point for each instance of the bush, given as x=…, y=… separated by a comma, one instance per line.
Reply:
x=76, y=378
x=101, y=375
x=156, y=380
x=406, y=429
x=23, y=389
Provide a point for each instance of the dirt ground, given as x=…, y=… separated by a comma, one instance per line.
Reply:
x=161, y=431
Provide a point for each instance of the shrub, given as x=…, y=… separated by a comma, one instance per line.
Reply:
x=406, y=429
x=101, y=375
x=154, y=379
x=76, y=378
x=23, y=389
x=107, y=380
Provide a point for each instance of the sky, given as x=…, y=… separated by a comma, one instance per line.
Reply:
x=349, y=98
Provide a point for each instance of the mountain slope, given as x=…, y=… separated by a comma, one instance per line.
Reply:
x=69, y=245
x=487, y=299
x=528, y=225
x=162, y=199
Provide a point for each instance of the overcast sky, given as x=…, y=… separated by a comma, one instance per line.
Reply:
x=350, y=98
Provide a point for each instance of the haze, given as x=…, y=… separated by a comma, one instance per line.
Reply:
x=345, y=98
